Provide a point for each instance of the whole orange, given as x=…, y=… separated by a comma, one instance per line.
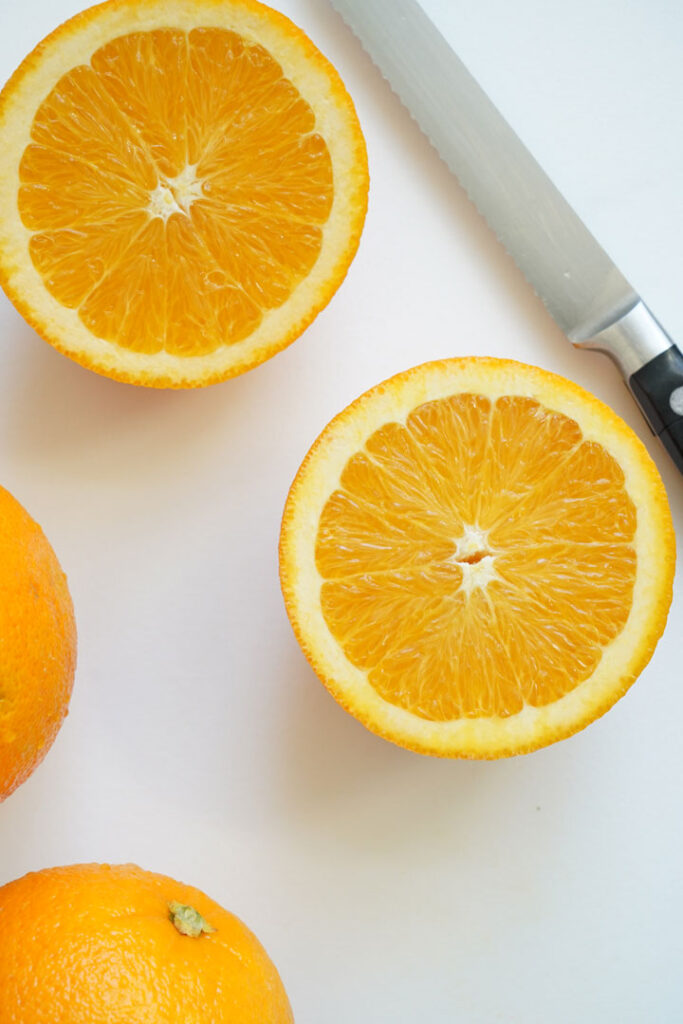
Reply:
x=37, y=645
x=101, y=944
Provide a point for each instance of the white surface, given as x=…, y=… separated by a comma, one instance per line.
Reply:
x=387, y=887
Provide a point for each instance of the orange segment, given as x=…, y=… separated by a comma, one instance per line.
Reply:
x=80, y=120
x=205, y=303
x=73, y=261
x=527, y=444
x=583, y=500
x=120, y=304
x=258, y=252
x=236, y=144
x=480, y=557
x=145, y=75
x=447, y=469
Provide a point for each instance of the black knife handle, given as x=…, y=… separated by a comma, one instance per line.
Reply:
x=658, y=389
x=652, y=366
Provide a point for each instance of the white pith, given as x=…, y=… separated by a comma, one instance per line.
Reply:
x=475, y=575
x=176, y=195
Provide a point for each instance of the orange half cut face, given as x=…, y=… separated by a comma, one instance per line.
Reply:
x=480, y=580
x=190, y=194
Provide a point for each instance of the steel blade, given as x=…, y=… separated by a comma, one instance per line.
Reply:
x=580, y=285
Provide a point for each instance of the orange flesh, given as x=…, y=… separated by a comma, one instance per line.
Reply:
x=176, y=190
x=478, y=558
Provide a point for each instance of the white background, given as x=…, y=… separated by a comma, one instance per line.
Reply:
x=388, y=887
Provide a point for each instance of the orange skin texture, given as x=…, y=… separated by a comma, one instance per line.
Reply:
x=37, y=645
x=95, y=944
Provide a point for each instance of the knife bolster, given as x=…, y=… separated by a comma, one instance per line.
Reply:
x=632, y=341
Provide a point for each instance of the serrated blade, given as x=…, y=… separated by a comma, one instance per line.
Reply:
x=580, y=285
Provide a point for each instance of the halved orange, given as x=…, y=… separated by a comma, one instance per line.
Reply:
x=477, y=558
x=183, y=186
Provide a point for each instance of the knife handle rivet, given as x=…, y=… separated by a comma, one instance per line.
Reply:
x=676, y=400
